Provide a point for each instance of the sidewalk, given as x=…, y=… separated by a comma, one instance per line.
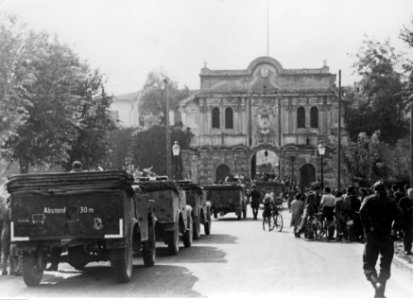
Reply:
x=401, y=259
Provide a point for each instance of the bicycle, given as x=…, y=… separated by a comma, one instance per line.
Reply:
x=278, y=219
x=272, y=218
x=268, y=218
x=315, y=228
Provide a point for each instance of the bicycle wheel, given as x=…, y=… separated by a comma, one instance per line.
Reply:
x=279, y=222
x=317, y=229
x=271, y=223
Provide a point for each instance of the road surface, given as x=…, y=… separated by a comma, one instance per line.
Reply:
x=238, y=258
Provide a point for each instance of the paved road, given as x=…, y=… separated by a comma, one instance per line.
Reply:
x=238, y=258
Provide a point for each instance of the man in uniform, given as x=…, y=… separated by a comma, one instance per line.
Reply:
x=377, y=213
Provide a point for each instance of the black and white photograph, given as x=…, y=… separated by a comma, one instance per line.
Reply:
x=206, y=149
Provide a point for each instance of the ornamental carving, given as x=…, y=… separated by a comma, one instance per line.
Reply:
x=265, y=120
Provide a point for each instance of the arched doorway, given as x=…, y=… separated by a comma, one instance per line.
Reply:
x=265, y=163
x=222, y=172
x=307, y=175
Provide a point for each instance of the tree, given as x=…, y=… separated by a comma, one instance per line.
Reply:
x=14, y=75
x=149, y=147
x=378, y=102
x=92, y=145
x=369, y=159
x=57, y=93
x=153, y=99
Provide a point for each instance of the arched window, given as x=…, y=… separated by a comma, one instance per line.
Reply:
x=222, y=172
x=215, y=118
x=301, y=117
x=314, y=117
x=229, y=118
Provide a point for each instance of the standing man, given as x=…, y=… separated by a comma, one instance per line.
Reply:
x=377, y=213
x=406, y=221
x=255, y=200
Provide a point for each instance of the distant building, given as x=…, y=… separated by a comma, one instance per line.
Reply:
x=125, y=110
x=246, y=120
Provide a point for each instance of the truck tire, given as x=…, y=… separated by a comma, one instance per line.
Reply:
x=197, y=228
x=149, y=249
x=188, y=235
x=122, y=262
x=32, y=269
x=173, y=240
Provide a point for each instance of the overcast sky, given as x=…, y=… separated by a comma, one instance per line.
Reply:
x=126, y=39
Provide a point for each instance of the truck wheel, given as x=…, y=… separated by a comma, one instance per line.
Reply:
x=149, y=249
x=188, y=235
x=197, y=228
x=122, y=262
x=173, y=240
x=207, y=228
x=33, y=268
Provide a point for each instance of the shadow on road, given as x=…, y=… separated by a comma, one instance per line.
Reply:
x=98, y=281
x=194, y=254
x=217, y=239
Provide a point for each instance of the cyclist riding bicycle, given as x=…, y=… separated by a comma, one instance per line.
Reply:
x=268, y=202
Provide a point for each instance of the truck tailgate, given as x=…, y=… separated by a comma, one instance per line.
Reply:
x=95, y=214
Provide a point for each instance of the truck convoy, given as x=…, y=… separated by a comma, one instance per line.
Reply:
x=80, y=217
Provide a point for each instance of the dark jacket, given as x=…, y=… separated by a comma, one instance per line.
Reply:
x=377, y=213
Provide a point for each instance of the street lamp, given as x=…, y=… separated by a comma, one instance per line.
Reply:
x=321, y=151
x=176, y=149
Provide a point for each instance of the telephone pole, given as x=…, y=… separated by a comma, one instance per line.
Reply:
x=339, y=134
x=167, y=132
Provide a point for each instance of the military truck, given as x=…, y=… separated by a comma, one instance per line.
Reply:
x=173, y=215
x=201, y=208
x=227, y=198
x=83, y=217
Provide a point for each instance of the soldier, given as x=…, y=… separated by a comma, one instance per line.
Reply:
x=378, y=212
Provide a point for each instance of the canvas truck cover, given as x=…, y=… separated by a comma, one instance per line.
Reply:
x=192, y=191
x=78, y=205
x=166, y=196
x=224, y=195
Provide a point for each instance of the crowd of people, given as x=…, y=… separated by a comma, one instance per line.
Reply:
x=376, y=216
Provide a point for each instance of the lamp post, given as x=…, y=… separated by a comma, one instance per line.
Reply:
x=176, y=149
x=321, y=151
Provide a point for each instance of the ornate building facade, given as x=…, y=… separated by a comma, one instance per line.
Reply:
x=238, y=114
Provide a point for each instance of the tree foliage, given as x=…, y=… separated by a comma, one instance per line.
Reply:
x=149, y=147
x=153, y=99
x=65, y=116
x=368, y=159
x=378, y=103
x=13, y=77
